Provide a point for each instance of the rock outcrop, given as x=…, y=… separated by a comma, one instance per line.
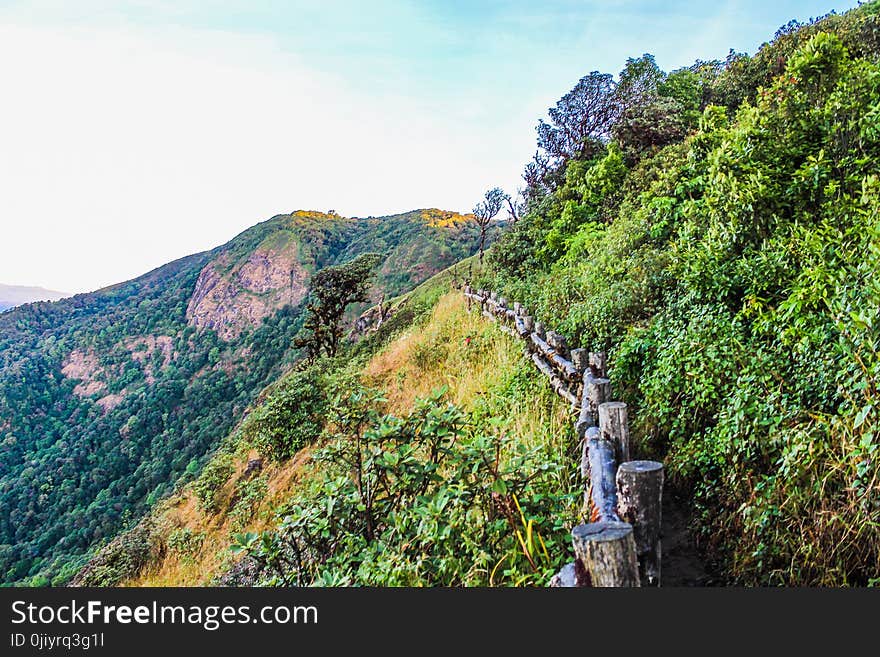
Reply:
x=240, y=297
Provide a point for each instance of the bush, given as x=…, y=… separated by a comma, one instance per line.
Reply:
x=291, y=417
x=208, y=486
x=418, y=500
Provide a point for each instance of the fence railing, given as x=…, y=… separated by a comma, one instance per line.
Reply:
x=620, y=546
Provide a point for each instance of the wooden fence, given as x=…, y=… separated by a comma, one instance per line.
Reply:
x=620, y=546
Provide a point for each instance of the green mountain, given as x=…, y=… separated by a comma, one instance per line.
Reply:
x=15, y=295
x=716, y=231
x=108, y=399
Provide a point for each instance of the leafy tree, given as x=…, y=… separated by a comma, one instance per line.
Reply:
x=579, y=125
x=486, y=210
x=581, y=119
x=332, y=290
x=650, y=125
x=637, y=81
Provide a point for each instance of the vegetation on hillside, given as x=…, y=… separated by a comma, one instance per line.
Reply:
x=715, y=229
x=109, y=400
x=441, y=459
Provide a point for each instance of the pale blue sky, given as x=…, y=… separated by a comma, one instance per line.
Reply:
x=136, y=132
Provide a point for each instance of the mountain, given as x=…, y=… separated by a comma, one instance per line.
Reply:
x=107, y=399
x=15, y=295
x=715, y=231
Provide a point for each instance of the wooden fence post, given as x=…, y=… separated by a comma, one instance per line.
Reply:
x=599, y=455
x=596, y=392
x=607, y=551
x=539, y=330
x=580, y=359
x=613, y=425
x=557, y=341
x=640, y=503
x=598, y=364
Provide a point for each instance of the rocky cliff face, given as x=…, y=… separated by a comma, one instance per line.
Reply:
x=245, y=293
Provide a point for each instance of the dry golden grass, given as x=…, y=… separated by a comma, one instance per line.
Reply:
x=460, y=350
x=457, y=349
x=183, y=511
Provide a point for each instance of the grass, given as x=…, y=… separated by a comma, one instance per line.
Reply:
x=484, y=373
x=183, y=511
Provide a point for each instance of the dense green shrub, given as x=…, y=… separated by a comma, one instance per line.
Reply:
x=291, y=416
x=214, y=476
x=425, y=499
x=737, y=292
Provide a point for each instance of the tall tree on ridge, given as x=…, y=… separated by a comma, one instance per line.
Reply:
x=485, y=211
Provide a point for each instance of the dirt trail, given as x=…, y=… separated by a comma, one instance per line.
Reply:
x=681, y=562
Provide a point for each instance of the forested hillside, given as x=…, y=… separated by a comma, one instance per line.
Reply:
x=714, y=229
x=108, y=399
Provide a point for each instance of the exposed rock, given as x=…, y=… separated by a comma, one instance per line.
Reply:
x=111, y=401
x=253, y=466
x=84, y=366
x=252, y=290
x=373, y=318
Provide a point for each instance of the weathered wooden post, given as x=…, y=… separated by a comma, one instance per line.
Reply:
x=597, y=392
x=614, y=426
x=598, y=364
x=529, y=323
x=517, y=308
x=607, y=551
x=557, y=341
x=580, y=359
x=539, y=330
x=602, y=468
x=640, y=503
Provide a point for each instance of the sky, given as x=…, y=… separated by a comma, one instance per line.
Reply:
x=134, y=132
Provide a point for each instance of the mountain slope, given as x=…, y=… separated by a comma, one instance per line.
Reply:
x=15, y=295
x=187, y=539
x=108, y=398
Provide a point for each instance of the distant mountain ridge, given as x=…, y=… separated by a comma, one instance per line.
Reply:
x=15, y=295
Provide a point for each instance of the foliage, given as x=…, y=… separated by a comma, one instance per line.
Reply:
x=246, y=498
x=74, y=473
x=333, y=289
x=209, y=485
x=123, y=557
x=423, y=499
x=487, y=209
x=290, y=418
x=736, y=290
x=185, y=542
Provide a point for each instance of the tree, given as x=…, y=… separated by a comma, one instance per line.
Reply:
x=332, y=290
x=580, y=124
x=581, y=120
x=485, y=211
x=637, y=82
x=516, y=205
